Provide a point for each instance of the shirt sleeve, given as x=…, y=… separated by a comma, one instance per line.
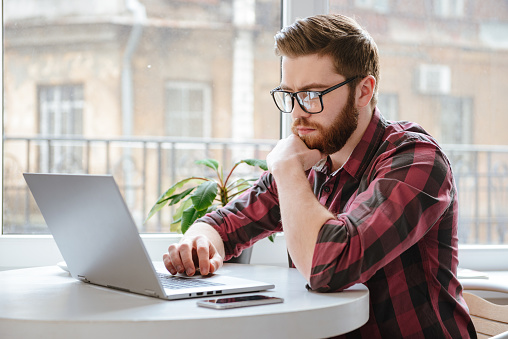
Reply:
x=252, y=216
x=403, y=194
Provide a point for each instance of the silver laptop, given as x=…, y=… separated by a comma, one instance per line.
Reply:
x=100, y=243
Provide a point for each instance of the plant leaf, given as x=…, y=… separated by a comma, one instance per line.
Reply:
x=156, y=208
x=177, y=216
x=189, y=216
x=175, y=199
x=212, y=163
x=204, y=195
x=241, y=182
x=164, y=198
x=233, y=196
x=176, y=226
x=256, y=162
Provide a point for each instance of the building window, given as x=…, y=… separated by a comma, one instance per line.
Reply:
x=433, y=79
x=388, y=104
x=188, y=112
x=456, y=120
x=449, y=8
x=381, y=6
x=60, y=116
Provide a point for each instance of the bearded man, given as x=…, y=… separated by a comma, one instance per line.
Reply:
x=360, y=199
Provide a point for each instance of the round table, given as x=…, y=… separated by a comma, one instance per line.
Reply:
x=47, y=302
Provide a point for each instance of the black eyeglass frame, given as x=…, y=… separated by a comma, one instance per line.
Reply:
x=320, y=94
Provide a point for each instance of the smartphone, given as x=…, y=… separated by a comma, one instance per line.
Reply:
x=233, y=302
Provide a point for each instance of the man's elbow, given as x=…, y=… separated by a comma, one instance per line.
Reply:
x=326, y=283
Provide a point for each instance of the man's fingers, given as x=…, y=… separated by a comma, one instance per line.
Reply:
x=173, y=259
x=186, y=249
x=216, y=262
x=203, y=248
x=169, y=265
x=193, y=254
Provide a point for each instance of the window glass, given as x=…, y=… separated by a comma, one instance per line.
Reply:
x=139, y=89
x=443, y=65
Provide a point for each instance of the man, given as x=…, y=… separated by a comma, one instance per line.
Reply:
x=360, y=199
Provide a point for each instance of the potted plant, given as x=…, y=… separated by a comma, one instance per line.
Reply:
x=197, y=196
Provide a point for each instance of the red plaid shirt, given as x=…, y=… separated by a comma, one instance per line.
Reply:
x=395, y=231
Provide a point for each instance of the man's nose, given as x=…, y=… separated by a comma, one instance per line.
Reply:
x=298, y=111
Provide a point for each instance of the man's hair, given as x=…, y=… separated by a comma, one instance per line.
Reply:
x=352, y=48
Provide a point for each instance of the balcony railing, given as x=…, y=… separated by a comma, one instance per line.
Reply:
x=145, y=167
x=481, y=175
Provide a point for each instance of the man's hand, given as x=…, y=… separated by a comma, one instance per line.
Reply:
x=200, y=248
x=292, y=151
x=301, y=213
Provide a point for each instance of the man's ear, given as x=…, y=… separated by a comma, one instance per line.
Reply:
x=365, y=91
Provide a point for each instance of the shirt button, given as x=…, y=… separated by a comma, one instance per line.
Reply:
x=326, y=189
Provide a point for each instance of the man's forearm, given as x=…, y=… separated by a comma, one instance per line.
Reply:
x=302, y=217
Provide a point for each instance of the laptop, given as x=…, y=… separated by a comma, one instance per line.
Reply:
x=100, y=243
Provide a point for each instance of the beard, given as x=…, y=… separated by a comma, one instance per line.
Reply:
x=330, y=139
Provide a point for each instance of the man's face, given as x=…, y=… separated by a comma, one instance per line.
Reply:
x=329, y=139
x=329, y=130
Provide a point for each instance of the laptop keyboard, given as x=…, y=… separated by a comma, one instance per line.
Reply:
x=175, y=282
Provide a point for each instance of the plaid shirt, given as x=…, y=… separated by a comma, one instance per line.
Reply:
x=395, y=231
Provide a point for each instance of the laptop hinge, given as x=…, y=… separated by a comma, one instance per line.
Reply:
x=83, y=278
x=152, y=293
x=118, y=288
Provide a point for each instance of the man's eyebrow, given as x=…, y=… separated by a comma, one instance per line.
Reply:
x=309, y=87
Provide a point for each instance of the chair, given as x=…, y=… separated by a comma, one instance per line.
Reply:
x=490, y=320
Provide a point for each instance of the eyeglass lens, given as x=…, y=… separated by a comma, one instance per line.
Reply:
x=308, y=100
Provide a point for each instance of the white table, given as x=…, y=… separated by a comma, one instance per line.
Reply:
x=490, y=285
x=46, y=302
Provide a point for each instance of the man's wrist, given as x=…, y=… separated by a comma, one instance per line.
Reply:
x=287, y=167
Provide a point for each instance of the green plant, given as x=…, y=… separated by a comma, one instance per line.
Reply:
x=199, y=195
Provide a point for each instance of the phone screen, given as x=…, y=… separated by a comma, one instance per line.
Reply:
x=243, y=301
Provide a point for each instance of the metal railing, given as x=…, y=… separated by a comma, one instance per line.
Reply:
x=145, y=167
x=481, y=175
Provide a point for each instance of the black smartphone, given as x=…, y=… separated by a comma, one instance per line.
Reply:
x=233, y=302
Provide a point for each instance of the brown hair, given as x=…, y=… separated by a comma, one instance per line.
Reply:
x=353, y=49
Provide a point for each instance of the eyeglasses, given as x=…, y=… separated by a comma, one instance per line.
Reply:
x=310, y=101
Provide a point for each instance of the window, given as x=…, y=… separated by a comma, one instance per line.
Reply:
x=110, y=49
x=188, y=109
x=60, y=115
x=449, y=8
x=456, y=120
x=139, y=89
x=388, y=103
x=376, y=5
x=434, y=79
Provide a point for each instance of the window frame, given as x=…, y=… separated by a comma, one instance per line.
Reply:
x=17, y=251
